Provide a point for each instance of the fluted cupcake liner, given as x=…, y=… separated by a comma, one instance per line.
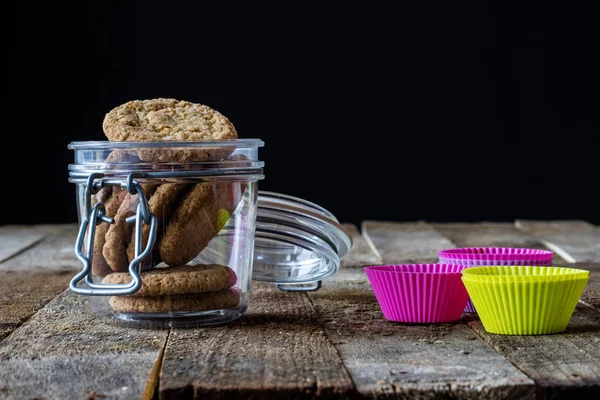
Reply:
x=523, y=273
x=477, y=256
x=497, y=254
x=470, y=308
x=419, y=293
x=525, y=300
x=476, y=263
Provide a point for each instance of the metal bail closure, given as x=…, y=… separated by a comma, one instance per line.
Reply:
x=95, y=216
x=298, y=244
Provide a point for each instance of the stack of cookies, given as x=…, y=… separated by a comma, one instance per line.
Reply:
x=189, y=215
x=180, y=288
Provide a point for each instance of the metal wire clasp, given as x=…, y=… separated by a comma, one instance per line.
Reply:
x=95, y=216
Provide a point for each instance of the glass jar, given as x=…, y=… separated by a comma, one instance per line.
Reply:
x=172, y=233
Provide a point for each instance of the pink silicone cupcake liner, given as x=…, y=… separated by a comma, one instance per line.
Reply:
x=419, y=293
x=497, y=254
x=475, y=263
x=480, y=256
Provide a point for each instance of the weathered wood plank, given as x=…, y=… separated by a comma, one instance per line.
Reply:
x=405, y=242
x=276, y=350
x=65, y=352
x=591, y=293
x=491, y=234
x=564, y=365
x=388, y=359
x=55, y=251
x=575, y=241
x=22, y=293
x=16, y=238
x=361, y=253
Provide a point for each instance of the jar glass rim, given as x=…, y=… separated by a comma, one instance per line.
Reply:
x=106, y=144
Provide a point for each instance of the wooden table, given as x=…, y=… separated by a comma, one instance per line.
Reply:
x=332, y=343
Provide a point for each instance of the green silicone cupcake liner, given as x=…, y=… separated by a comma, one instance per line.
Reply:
x=534, y=305
x=522, y=273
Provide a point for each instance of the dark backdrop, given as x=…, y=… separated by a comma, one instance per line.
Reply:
x=457, y=111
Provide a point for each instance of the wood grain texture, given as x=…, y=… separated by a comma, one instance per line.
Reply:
x=563, y=365
x=22, y=293
x=591, y=293
x=395, y=360
x=276, y=350
x=575, y=241
x=65, y=352
x=397, y=242
x=16, y=238
x=388, y=359
x=491, y=234
x=361, y=253
x=55, y=251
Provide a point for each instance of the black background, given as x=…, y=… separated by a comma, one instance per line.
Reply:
x=450, y=111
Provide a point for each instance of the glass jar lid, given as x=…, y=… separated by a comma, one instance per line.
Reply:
x=297, y=243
